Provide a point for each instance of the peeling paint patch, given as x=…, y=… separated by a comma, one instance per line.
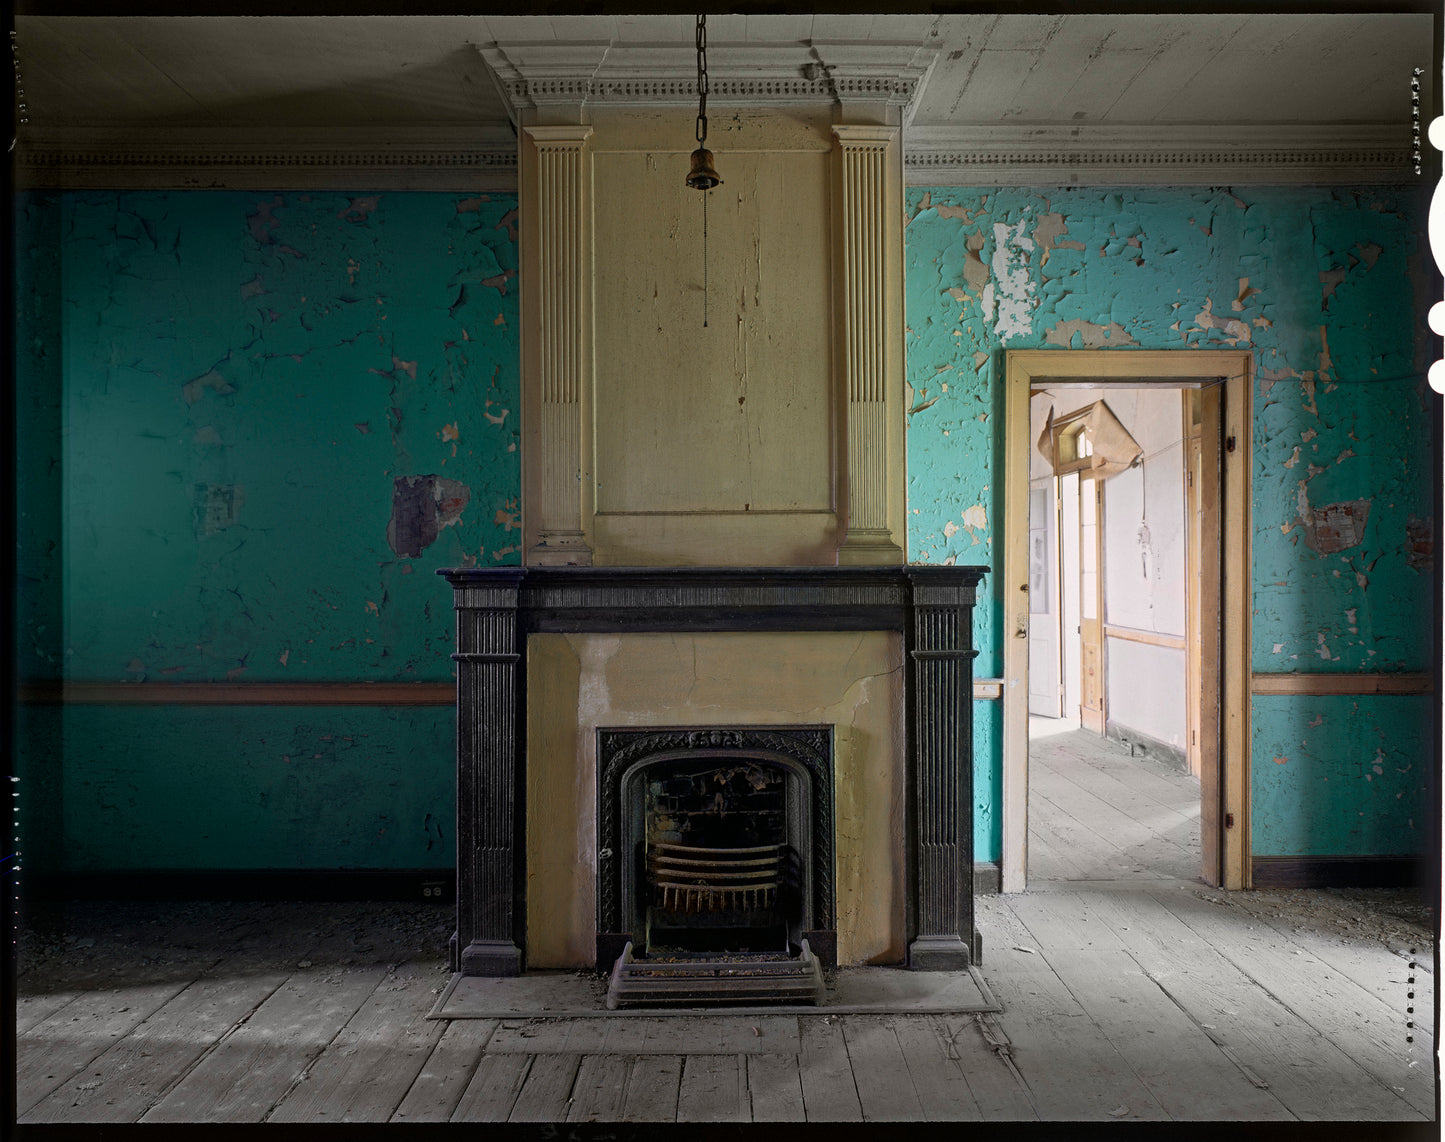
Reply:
x=196, y=387
x=1420, y=544
x=1234, y=330
x=1010, y=296
x=1335, y=527
x=216, y=507
x=1090, y=335
x=420, y=507
x=360, y=209
x=976, y=518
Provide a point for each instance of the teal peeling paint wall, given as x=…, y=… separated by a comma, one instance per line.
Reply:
x=1341, y=774
x=253, y=427
x=1325, y=286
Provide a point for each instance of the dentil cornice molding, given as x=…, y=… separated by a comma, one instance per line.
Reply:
x=1157, y=155
x=383, y=156
x=540, y=75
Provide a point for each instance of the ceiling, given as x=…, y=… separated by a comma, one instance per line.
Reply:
x=1010, y=85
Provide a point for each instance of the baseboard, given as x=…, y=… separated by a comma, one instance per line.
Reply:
x=433, y=885
x=1142, y=745
x=1337, y=871
x=987, y=878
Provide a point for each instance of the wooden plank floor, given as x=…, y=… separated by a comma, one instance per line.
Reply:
x=1131, y=991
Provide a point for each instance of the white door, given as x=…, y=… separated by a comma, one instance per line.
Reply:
x=1046, y=697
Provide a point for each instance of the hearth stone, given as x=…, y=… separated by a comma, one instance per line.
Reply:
x=498, y=608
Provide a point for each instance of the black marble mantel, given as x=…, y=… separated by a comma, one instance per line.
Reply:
x=498, y=607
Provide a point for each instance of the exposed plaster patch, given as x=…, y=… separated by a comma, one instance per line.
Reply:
x=420, y=507
x=263, y=221
x=216, y=507
x=950, y=529
x=1294, y=458
x=1330, y=281
x=1246, y=291
x=1420, y=543
x=195, y=388
x=1092, y=334
x=1324, y=650
x=962, y=213
x=1012, y=287
x=976, y=518
x=1369, y=253
x=1333, y=527
x=359, y=209
x=1235, y=331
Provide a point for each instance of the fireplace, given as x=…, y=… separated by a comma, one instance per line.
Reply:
x=640, y=879
x=715, y=841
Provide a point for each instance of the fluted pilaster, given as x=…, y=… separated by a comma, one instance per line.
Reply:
x=871, y=331
x=558, y=364
x=490, y=837
x=941, y=694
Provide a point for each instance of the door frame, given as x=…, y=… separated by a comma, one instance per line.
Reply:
x=1028, y=368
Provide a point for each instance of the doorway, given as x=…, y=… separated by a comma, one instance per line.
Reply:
x=1214, y=652
x=1114, y=519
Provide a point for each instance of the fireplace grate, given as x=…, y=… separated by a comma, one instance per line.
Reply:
x=694, y=880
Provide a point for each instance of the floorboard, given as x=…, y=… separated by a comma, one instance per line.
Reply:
x=829, y=1093
x=714, y=1089
x=937, y=1078
x=599, y=1091
x=254, y=1067
x=998, y=1091
x=61, y=1046
x=880, y=1072
x=439, y=1087
x=134, y=1074
x=1152, y=1034
x=1366, y=1029
x=652, y=1089
x=366, y=1071
x=492, y=1091
x=547, y=1093
x=775, y=1088
x=1072, y=1070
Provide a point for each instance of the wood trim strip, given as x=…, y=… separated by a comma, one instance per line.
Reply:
x=988, y=689
x=1322, y=684
x=237, y=694
x=435, y=885
x=1146, y=637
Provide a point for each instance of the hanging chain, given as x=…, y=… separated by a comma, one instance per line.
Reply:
x=701, y=80
x=702, y=141
x=22, y=109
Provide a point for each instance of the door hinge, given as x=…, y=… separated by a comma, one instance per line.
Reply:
x=1229, y=820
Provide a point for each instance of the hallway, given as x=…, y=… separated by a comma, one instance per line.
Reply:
x=1095, y=813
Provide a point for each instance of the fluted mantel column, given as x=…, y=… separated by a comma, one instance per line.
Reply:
x=555, y=180
x=871, y=312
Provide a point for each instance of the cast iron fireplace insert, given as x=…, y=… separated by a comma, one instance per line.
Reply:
x=715, y=839
x=498, y=608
